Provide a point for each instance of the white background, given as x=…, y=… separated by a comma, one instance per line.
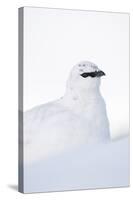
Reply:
x=55, y=40
x=9, y=103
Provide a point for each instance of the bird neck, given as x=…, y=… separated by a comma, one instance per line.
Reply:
x=81, y=98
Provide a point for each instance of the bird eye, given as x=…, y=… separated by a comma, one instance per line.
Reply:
x=84, y=65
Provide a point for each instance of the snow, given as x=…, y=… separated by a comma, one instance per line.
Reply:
x=100, y=166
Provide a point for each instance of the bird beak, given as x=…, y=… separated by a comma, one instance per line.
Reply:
x=100, y=73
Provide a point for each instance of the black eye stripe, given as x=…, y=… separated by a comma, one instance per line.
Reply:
x=91, y=74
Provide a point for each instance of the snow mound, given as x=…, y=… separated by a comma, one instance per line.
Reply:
x=100, y=166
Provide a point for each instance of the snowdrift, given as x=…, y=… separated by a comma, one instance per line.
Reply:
x=100, y=166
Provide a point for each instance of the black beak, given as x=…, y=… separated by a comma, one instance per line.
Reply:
x=93, y=74
x=100, y=73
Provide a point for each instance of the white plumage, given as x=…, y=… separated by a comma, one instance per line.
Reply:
x=79, y=117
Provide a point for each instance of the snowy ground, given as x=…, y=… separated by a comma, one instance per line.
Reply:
x=101, y=166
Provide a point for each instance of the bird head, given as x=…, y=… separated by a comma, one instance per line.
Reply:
x=85, y=76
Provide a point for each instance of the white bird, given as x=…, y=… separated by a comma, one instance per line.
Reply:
x=79, y=117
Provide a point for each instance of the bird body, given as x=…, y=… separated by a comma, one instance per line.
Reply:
x=79, y=117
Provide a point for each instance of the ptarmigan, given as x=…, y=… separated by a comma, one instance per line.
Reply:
x=79, y=117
